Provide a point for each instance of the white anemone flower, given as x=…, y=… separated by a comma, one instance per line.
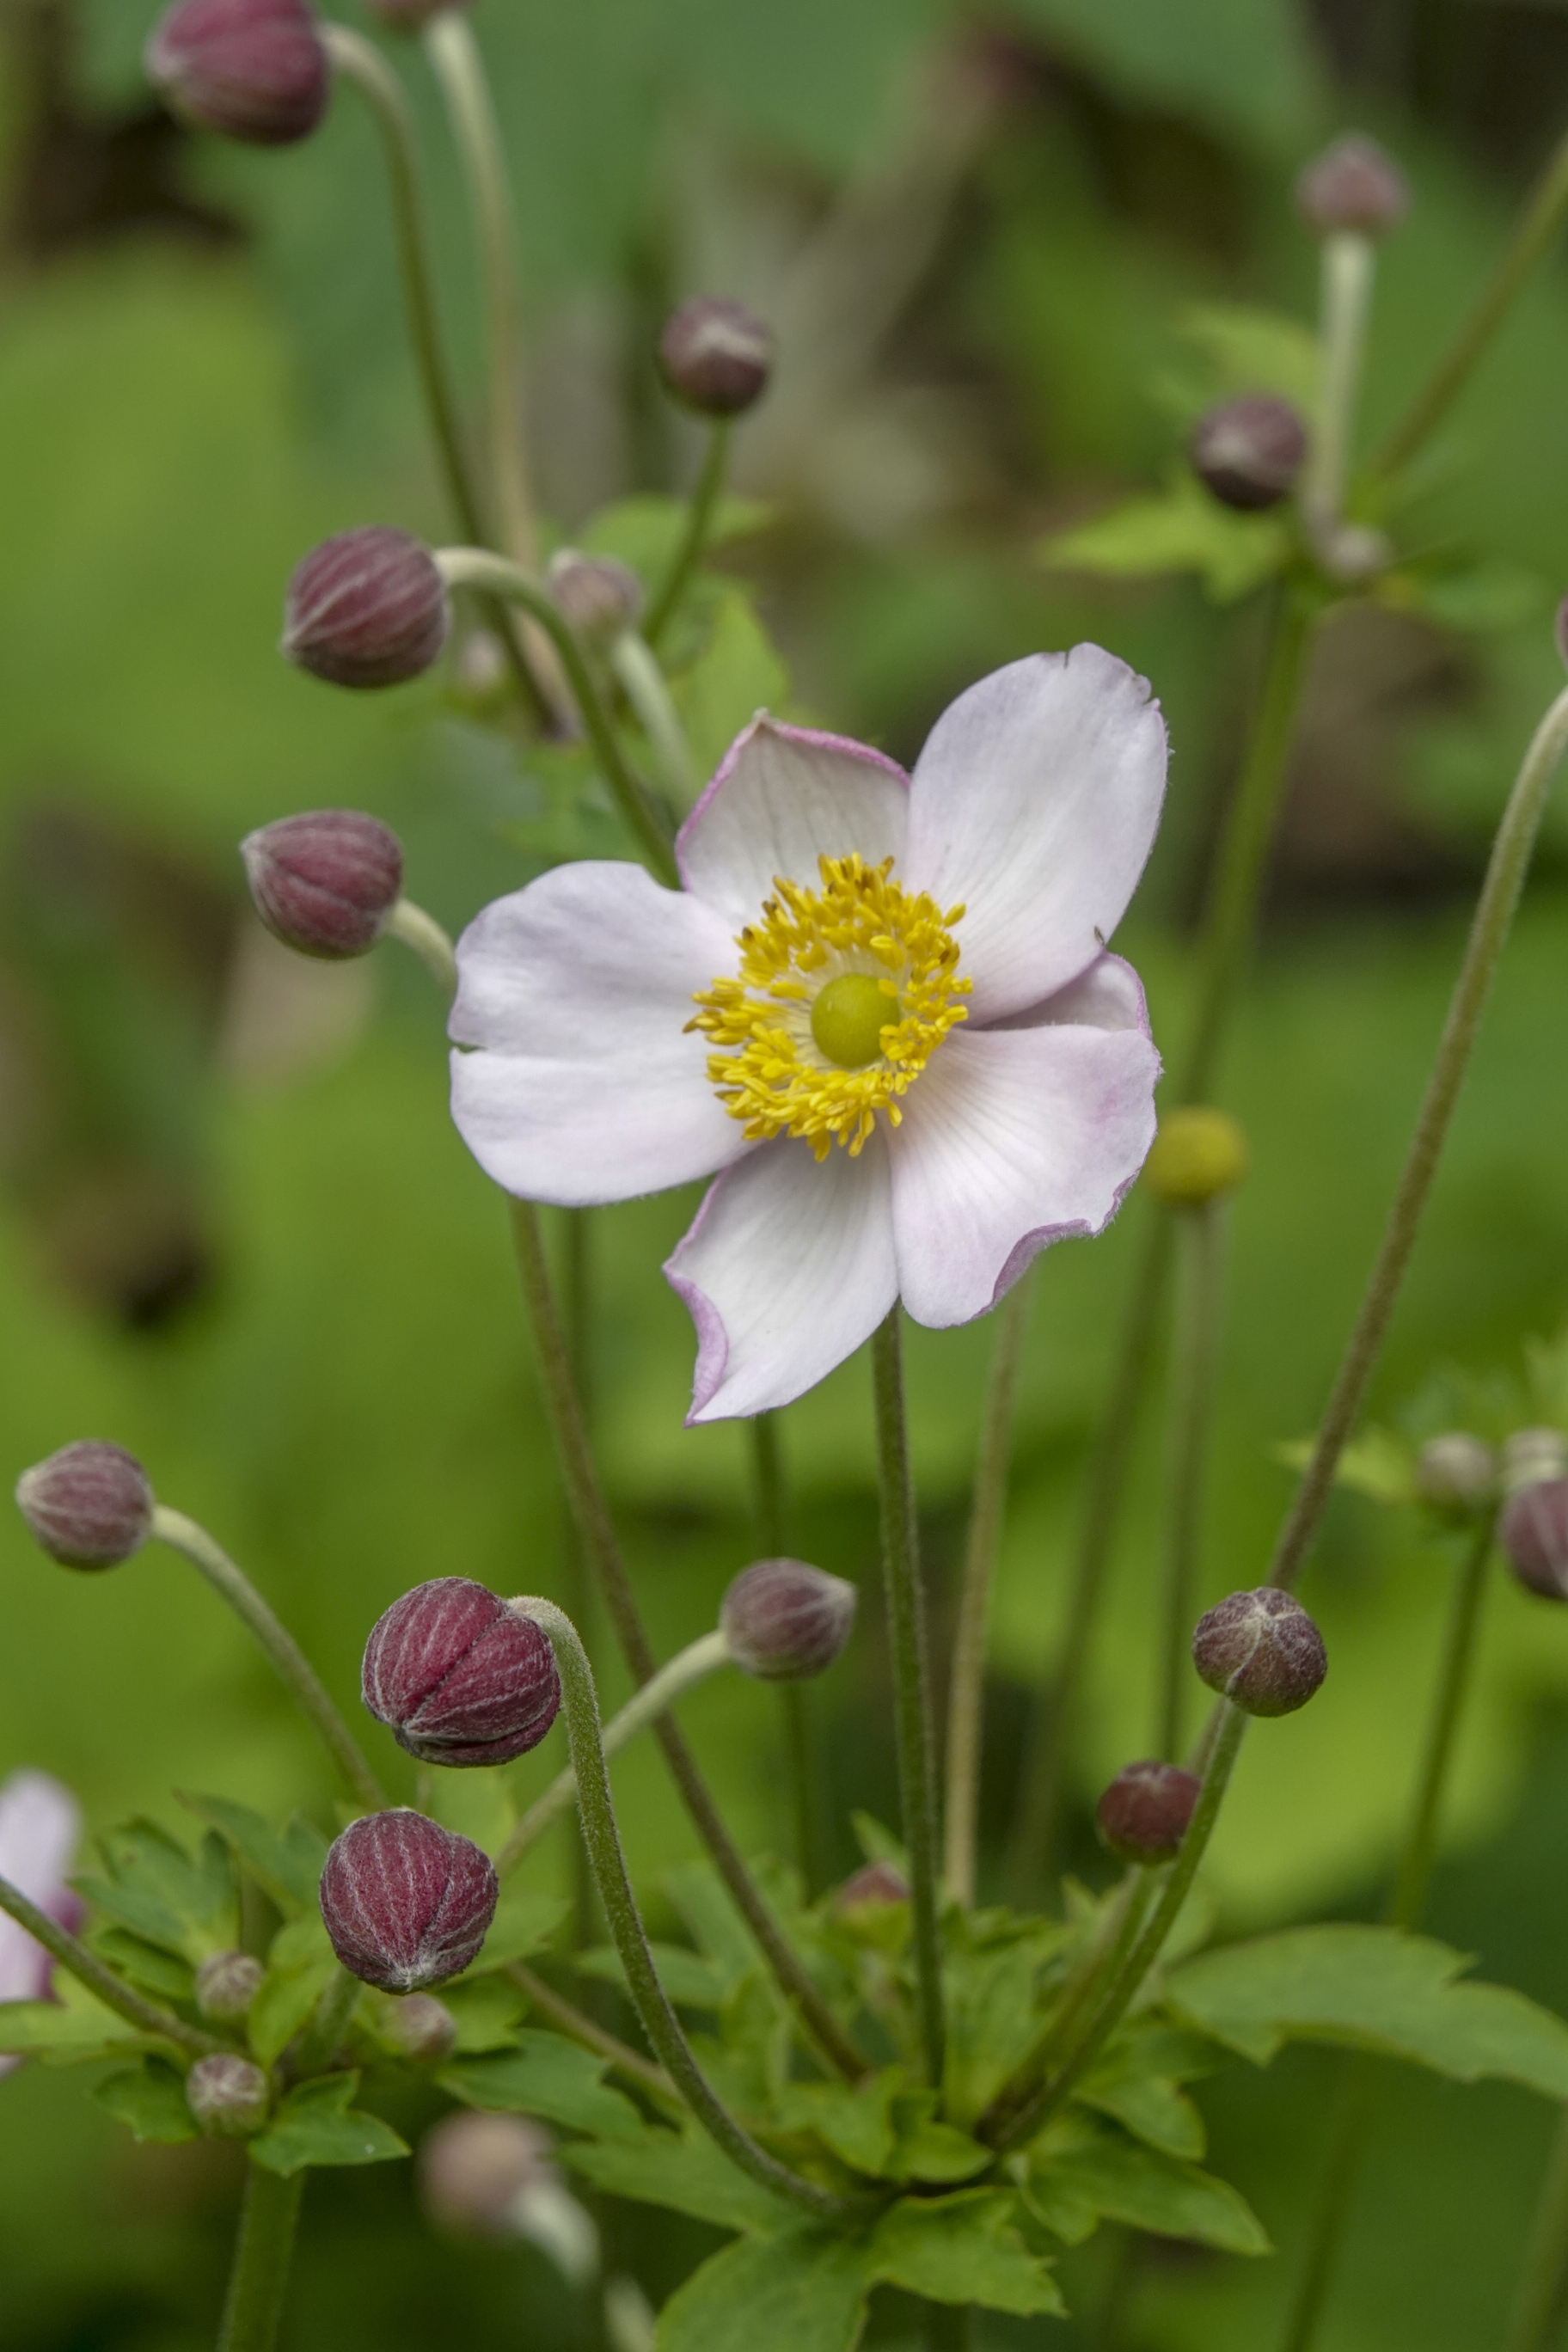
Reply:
x=41, y=1825
x=879, y=1010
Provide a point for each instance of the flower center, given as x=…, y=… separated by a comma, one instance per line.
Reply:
x=842, y=996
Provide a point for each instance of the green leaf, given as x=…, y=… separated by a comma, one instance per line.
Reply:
x=1376, y=1989
x=183, y=1904
x=1250, y=349
x=155, y=1970
x=68, y=2029
x=855, y=2121
x=690, y=1980
x=645, y=531
x=1138, y=2082
x=300, y=1966
x=485, y=2010
x=962, y=2249
x=523, y=1923
x=739, y=672
x=316, y=2125
x=806, y=2291
x=1081, y=2171
x=681, y=2169
x=1183, y=531
x=549, y=2076
x=285, y=1865
x=1378, y=1464
x=925, y=2149
x=152, y=2099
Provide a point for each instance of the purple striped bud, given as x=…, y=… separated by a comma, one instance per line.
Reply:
x=254, y=69
x=89, y=1506
x=325, y=882
x=786, y=1621
x=1353, y=185
x=367, y=608
x=715, y=356
x=1533, y=1533
x=1261, y=1650
x=1248, y=451
x=407, y=1903
x=460, y=1678
x=226, y=1984
x=1143, y=1815
x=229, y=2096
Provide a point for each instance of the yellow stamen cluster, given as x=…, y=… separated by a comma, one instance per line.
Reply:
x=772, y=1073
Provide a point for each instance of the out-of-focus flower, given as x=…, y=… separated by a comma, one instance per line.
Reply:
x=489, y=2176
x=881, y=1006
x=40, y=1824
x=715, y=356
x=253, y=69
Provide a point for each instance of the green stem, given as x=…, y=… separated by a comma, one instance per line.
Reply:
x=643, y=682
x=1349, y=268
x=966, y=1690
x=101, y=1981
x=429, y=942
x=476, y=567
x=1494, y=914
x=258, y=2280
x=578, y=2026
x=194, y=1543
x=1537, y=226
x=659, y=2019
x=911, y=1691
x=591, y=1512
x=1200, y=1247
x=699, y=517
x=1095, y=1971
x=577, y=1298
x=1543, y=2280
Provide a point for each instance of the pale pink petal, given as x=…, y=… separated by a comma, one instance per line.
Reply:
x=578, y=989
x=784, y=797
x=41, y=1825
x=1108, y=995
x=1034, y=805
x=1013, y=1139
x=787, y=1268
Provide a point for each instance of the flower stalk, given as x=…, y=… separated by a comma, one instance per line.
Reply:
x=1349, y=269
x=264, y=2250
x=70, y=1953
x=428, y=940
x=641, y=680
x=768, y=1487
x=701, y=514
x=578, y=2026
x=1200, y=1281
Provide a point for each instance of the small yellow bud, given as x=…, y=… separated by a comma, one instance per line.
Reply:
x=1197, y=1155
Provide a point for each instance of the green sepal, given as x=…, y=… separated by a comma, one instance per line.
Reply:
x=545, y=2076
x=285, y=1865
x=805, y=2290
x=1081, y=2171
x=962, y=2249
x=152, y=2099
x=315, y=2123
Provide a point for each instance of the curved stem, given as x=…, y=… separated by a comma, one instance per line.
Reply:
x=1348, y=267
x=1494, y=914
x=682, y=1673
x=578, y=2026
x=476, y=567
x=430, y=943
x=966, y=1691
x=258, y=2280
x=699, y=515
x=194, y=1543
x=643, y=682
x=100, y=1980
x=1543, y=2279
x=1200, y=1246
x=660, y=2021
x=911, y=1689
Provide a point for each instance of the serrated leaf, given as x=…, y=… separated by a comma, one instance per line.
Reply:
x=689, y=1979
x=67, y=2031
x=286, y=1866
x=523, y=1923
x=925, y=2149
x=737, y=672
x=681, y=2169
x=549, y=2076
x=1081, y=2171
x=1138, y=2083
x=805, y=2290
x=141, y=1910
x=187, y=1904
x=1184, y=529
x=485, y=2010
x=1376, y=1989
x=315, y=2123
x=147, y=1965
x=853, y=2121
x=152, y=2099
x=962, y=2249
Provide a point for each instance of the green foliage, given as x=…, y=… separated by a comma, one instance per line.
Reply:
x=285, y=1865
x=152, y=2099
x=486, y=2010
x=70, y=2029
x=1080, y=2172
x=188, y=1907
x=683, y=2170
x=962, y=2249
x=548, y=2076
x=804, y=2289
x=315, y=2125
x=300, y=1965
x=525, y=1920
x=1182, y=530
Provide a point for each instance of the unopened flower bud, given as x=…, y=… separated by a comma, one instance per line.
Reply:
x=873, y=1886
x=1456, y=1472
x=1531, y=1455
x=1143, y=1815
x=1196, y=1155
x=407, y=1903
x=1262, y=1650
x=421, y=2029
x=366, y=608
x=1533, y=1533
x=89, y=1506
x=460, y=1678
x=1248, y=451
x=325, y=882
x=254, y=69
x=715, y=356
x=408, y=15
x=229, y=2096
x=786, y=1621
x=599, y=596
x=1355, y=186
x=474, y=2167
x=226, y=1984
x=1560, y=630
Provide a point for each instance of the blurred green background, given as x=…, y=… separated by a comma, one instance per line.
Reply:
x=236, y=1232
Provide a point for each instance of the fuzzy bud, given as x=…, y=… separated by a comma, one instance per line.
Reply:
x=1533, y=1533
x=366, y=608
x=1560, y=631
x=1352, y=185
x=1531, y=1455
x=715, y=356
x=226, y=1984
x=408, y=15
x=599, y=596
x=324, y=883
x=1456, y=1472
x=1143, y=1815
x=1262, y=1650
x=1196, y=1155
x=460, y=1678
x=1248, y=451
x=407, y=1903
x=229, y=2096
x=89, y=1506
x=874, y=1886
x=253, y=69
x=421, y=2029
x=473, y=2169
x=784, y=1621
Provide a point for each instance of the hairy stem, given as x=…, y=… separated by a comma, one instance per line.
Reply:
x=258, y=2280
x=1543, y=2279
x=1200, y=1245
x=699, y=515
x=429, y=942
x=643, y=683
x=1095, y=1971
x=66, y=1949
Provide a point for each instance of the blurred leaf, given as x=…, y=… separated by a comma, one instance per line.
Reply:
x=1378, y=1464
x=689, y=1979
x=925, y=2149
x=1138, y=2083
x=1491, y=594
x=739, y=672
x=962, y=2249
x=545, y=2076
x=315, y=2124
x=152, y=2099
x=1081, y=2172
x=1243, y=65
x=486, y=2010
x=708, y=1910
x=1247, y=350
x=683, y=2170
x=805, y=2290
x=70, y=2029
x=286, y=1866
x=300, y=1966
x=523, y=1922
x=1184, y=530
x=144, y=1964
x=853, y=2120
x=645, y=531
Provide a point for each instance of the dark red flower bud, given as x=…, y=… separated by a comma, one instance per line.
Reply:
x=228, y=2095
x=599, y=596
x=473, y=2169
x=1353, y=184
x=458, y=1677
x=408, y=15
x=1533, y=1533
x=421, y=2029
x=254, y=69
x=876, y=1884
x=1456, y=1472
x=1262, y=1650
x=786, y=1621
x=407, y=1904
x=89, y=1506
x=226, y=1984
x=715, y=356
x=1143, y=1815
x=366, y=608
x=324, y=882
x=1248, y=451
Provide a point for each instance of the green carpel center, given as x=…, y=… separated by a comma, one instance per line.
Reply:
x=848, y=1017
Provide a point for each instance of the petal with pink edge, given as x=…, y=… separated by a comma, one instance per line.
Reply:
x=1034, y=804
x=787, y=1268
x=783, y=798
x=1012, y=1139
x=577, y=991
x=41, y=1825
